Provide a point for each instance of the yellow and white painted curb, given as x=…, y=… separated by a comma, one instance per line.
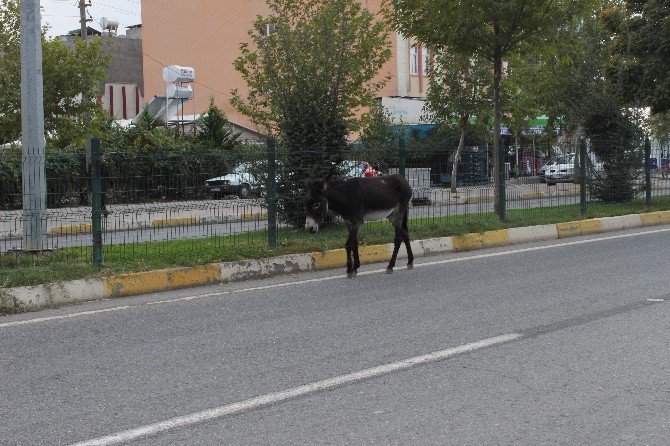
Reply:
x=62, y=293
x=174, y=222
x=160, y=223
x=72, y=229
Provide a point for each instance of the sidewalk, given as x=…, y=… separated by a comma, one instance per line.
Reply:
x=77, y=220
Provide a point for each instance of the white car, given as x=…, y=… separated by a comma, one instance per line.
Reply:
x=560, y=169
x=241, y=182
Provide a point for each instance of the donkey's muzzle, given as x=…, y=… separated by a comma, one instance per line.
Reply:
x=311, y=225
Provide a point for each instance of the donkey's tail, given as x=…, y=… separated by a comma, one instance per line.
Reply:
x=404, y=219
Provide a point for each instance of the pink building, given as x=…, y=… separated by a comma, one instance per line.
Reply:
x=206, y=34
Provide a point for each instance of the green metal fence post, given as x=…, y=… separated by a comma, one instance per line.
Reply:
x=582, y=176
x=501, y=181
x=647, y=171
x=402, y=155
x=271, y=198
x=96, y=192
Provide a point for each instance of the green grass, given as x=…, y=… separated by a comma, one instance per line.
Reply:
x=74, y=263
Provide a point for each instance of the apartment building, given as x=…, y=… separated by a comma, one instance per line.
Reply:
x=206, y=35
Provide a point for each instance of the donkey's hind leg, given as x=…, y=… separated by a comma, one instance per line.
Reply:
x=405, y=237
x=397, y=240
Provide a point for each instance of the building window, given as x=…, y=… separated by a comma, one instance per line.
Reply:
x=425, y=61
x=414, y=61
x=267, y=29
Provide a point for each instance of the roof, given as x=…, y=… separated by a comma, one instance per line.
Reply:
x=89, y=32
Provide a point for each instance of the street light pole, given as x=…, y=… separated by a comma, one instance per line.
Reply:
x=83, y=34
x=32, y=129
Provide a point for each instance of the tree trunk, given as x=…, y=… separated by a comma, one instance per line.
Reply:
x=497, y=76
x=457, y=155
x=516, y=152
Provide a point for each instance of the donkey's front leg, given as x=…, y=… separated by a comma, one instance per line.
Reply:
x=352, y=253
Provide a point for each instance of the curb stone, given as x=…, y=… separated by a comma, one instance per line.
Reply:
x=30, y=298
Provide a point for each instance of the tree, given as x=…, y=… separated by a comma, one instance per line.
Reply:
x=214, y=130
x=491, y=29
x=659, y=126
x=615, y=137
x=638, y=70
x=311, y=75
x=570, y=76
x=379, y=144
x=64, y=82
x=520, y=98
x=458, y=91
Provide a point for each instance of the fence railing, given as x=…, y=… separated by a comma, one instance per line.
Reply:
x=144, y=199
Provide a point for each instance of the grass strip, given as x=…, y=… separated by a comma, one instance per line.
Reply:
x=74, y=263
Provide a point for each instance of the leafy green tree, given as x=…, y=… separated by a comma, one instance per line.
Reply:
x=311, y=72
x=214, y=129
x=10, y=71
x=458, y=91
x=491, y=29
x=520, y=98
x=378, y=143
x=638, y=70
x=659, y=126
x=615, y=136
x=64, y=82
x=573, y=86
x=572, y=71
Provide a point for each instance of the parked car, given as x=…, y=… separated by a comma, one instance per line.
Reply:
x=241, y=182
x=560, y=169
x=354, y=169
x=542, y=171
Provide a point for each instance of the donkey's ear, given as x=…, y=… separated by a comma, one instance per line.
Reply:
x=308, y=183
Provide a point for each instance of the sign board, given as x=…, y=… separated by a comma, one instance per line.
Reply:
x=176, y=73
x=404, y=110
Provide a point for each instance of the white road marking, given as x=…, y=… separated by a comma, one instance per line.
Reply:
x=327, y=278
x=656, y=300
x=63, y=316
x=284, y=395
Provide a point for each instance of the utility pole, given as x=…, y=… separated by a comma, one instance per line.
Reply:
x=34, y=185
x=84, y=34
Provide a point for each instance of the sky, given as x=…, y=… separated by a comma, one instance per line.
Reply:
x=63, y=15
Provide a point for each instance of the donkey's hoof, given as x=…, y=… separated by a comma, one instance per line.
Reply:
x=389, y=270
x=410, y=266
x=352, y=274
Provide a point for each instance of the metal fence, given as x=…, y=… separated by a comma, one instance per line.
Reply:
x=184, y=197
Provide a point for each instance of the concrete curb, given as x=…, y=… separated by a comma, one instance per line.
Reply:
x=55, y=294
x=86, y=228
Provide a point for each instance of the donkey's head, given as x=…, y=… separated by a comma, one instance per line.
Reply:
x=316, y=204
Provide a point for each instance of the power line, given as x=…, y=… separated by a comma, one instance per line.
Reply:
x=195, y=82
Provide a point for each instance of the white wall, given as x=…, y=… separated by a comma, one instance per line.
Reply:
x=113, y=100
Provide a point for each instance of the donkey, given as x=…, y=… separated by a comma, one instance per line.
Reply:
x=358, y=200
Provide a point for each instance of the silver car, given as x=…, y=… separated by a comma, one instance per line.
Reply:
x=241, y=182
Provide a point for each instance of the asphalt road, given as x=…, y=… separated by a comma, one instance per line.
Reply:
x=563, y=342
